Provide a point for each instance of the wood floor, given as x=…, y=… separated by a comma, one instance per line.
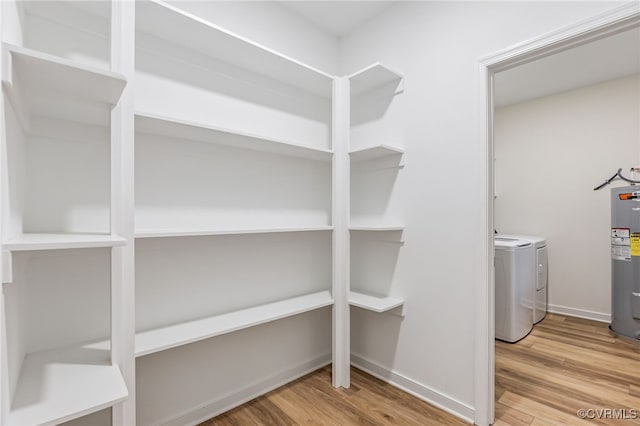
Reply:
x=564, y=365
x=311, y=400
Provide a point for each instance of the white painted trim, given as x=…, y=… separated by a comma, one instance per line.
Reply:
x=232, y=400
x=579, y=313
x=423, y=392
x=484, y=377
x=599, y=26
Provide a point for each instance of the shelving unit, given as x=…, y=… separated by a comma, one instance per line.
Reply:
x=26, y=242
x=373, y=77
x=377, y=228
x=185, y=29
x=148, y=342
x=374, y=303
x=61, y=195
x=30, y=77
x=158, y=233
x=61, y=385
x=373, y=259
x=374, y=153
x=184, y=130
x=235, y=143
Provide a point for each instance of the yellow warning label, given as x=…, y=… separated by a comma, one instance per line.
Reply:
x=634, y=242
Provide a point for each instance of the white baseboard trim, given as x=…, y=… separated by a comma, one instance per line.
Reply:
x=231, y=400
x=580, y=313
x=414, y=388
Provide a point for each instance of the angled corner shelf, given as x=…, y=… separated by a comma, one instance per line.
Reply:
x=377, y=228
x=374, y=153
x=37, y=241
x=163, y=233
x=162, y=126
x=148, y=342
x=167, y=22
x=61, y=385
x=371, y=78
x=373, y=303
x=29, y=75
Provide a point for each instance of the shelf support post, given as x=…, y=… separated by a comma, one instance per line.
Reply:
x=122, y=205
x=341, y=250
x=4, y=367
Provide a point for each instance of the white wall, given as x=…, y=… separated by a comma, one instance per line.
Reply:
x=271, y=25
x=550, y=154
x=437, y=45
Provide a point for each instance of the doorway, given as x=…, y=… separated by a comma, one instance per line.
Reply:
x=611, y=23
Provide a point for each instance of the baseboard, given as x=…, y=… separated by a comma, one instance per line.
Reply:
x=414, y=388
x=226, y=402
x=580, y=313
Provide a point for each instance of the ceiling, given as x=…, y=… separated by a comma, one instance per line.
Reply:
x=337, y=18
x=595, y=62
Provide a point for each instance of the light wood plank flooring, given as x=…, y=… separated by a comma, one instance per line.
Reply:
x=311, y=400
x=563, y=365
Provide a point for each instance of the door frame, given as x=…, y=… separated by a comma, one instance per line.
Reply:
x=606, y=24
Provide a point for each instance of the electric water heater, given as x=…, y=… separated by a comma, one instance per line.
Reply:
x=625, y=261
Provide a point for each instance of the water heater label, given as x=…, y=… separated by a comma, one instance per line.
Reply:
x=621, y=253
x=635, y=244
x=621, y=244
x=620, y=236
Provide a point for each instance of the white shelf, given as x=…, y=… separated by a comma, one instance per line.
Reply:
x=374, y=152
x=161, y=233
x=168, y=127
x=30, y=75
x=62, y=385
x=377, y=228
x=170, y=23
x=24, y=242
x=371, y=78
x=148, y=342
x=373, y=303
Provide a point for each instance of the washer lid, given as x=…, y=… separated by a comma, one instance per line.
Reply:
x=537, y=241
x=505, y=242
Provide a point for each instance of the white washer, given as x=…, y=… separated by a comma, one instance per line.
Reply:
x=514, y=277
x=540, y=261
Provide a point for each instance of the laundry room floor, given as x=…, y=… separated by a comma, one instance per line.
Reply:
x=563, y=366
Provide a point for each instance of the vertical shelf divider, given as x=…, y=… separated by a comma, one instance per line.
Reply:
x=341, y=257
x=122, y=209
x=4, y=367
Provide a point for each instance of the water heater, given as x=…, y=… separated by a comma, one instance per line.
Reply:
x=625, y=261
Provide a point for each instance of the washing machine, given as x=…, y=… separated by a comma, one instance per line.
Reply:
x=515, y=279
x=540, y=261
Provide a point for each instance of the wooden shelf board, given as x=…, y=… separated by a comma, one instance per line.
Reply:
x=61, y=385
x=24, y=242
x=148, y=342
x=377, y=228
x=374, y=152
x=162, y=233
x=39, y=71
x=371, y=78
x=167, y=22
x=373, y=303
x=169, y=127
